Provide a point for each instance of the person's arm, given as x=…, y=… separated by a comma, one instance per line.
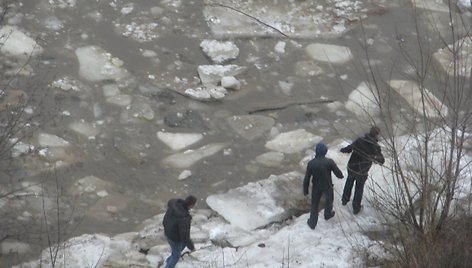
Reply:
x=184, y=231
x=347, y=149
x=379, y=158
x=336, y=170
x=306, y=180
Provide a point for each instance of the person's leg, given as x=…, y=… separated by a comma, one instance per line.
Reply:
x=348, y=188
x=328, y=211
x=315, y=201
x=176, y=248
x=358, y=193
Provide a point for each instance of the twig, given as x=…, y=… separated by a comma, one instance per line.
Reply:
x=281, y=106
x=250, y=16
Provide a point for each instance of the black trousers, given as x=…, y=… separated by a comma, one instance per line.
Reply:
x=315, y=202
x=359, y=180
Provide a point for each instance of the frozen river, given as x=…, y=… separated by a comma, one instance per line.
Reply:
x=136, y=102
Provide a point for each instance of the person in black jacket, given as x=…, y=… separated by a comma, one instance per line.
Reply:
x=177, y=227
x=365, y=150
x=319, y=170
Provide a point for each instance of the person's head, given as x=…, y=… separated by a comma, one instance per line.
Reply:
x=321, y=149
x=374, y=131
x=190, y=201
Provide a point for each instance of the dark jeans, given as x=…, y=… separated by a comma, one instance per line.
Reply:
x=358, y=191
x=315, y=202
x=174, y=257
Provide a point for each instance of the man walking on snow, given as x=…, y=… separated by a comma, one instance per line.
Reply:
x=320, y=168
x=177, y=227
x=365, y=150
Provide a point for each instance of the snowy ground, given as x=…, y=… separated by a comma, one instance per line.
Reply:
x=256, y=225
x=110, y=108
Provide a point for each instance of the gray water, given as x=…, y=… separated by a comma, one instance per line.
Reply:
x=143, y=184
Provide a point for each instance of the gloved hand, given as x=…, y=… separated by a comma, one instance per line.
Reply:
x=344, y=150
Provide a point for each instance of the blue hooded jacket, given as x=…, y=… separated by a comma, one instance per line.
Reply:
x=319, y=171
x=321, y=150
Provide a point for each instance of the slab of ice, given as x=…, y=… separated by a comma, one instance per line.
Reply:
x=15, y=43
x=207, y=92
x=260, y=203
x=50, y=140
x=220, y=51
x=329, y=53
x=413, y=95
x=293, y=141
x=463, y=59
x=178, y=141
x=89, y=130
x=251, y=126
x=363, y=101
x=230, y=82
x=67, y=83
x=212, y=74
x=433, y=5
x=271, y=159
x=120, y=100
x=97, y=65
x=188, y=158
x=90, y=184
x=304, y=19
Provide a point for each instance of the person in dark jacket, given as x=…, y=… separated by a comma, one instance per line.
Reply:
x=319, y=170
x=365, y=150
x=177, y=227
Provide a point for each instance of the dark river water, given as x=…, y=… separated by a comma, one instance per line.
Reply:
x=127, y=153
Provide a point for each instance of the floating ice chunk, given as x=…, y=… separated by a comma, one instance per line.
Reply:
x=66, y=83
x=260, y=203
x=206, y=92
x=433, y=5
x=364, y=101
x=462, y=60
x=90, y=184
x=219, y=51
x=329, y=53
x=286, y=87
x=280, y=47
x=414, y=96
x=271, y=159
x=62, y=3
x=127, y=9
x=185, y=175
x=120, y=100
x=251, y=126
x=86, y=129
x=465, y=4
x=17, y=44
x=97, y=65
x=21, y=148
x=212, y=74
x=190, y=157
x=198, y=93
x=230, y=82
x=110, y=90
x=293, y=141
x=53, y=23
x=178, y=141
x=140, y=108
x=49, y=140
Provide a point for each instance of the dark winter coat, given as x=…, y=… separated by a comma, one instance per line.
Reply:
x=320, y=168
x=177, y=222
x=365, y=150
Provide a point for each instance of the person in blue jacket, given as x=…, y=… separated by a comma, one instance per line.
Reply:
x=176, y=223
x=319, y=170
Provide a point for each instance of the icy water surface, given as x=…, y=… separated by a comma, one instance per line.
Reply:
x=158, y=43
